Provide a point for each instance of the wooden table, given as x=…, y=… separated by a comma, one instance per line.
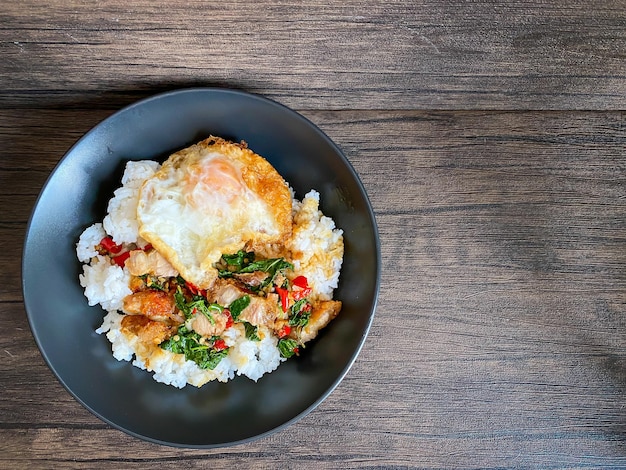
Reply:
x=490, y=137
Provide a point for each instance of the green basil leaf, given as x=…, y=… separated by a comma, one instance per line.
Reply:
x=212, y=359
x=197, y=304
x=237, y=306
x=201, y=305
x=187, y=342
x=251, y=331
x=239, y=259
x=224, y=273
x=152, y=282
x=179, y=298
x=298, y=315
x=271, y=266
x=244, y=262
x=173, y=345
x=287, y=347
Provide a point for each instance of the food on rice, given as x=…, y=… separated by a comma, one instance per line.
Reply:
x=212, y=198
x=208, y=266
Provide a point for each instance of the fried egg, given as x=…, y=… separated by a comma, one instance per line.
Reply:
x=212, y=198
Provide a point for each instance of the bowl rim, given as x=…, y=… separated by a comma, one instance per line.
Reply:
x=140, y=103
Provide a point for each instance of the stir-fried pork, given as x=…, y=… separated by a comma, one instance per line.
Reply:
x=323, y=312
x=254, y=279
x=156, y=305
x=261, y=312
x=224, y=292
x=148, y=331
x=203, y=326
x=152, y=262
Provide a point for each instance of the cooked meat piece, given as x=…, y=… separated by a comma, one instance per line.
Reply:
x=152, y=262
x=203, y=326
x=279, y=279
x=224, y=292
x=148, y=331
x=252, y=279
x=321, y=315
x=136, y=284
x=261, y=311
x=273, y=299
x=156, y=305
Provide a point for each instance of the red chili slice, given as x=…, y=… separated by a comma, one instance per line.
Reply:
x=300, y=293
x=194, y=290
x=108, y=244
x=302, y=288
x=301, y=281
x=284, y=298
x=121, y=259
x=284, y=331
x=229, y=318
x=219, y=345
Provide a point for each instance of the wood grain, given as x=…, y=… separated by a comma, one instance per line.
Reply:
x=321, y=55
x=499, y=337
x=490, y=138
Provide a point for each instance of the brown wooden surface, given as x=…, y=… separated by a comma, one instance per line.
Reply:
x=490, y=137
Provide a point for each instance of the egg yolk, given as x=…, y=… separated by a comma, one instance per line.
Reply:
x=212, y=181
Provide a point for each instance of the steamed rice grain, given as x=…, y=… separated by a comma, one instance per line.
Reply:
x=121, y=221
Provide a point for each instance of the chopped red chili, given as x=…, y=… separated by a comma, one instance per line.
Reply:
x=120, y=260
x=284, y=298
x=303, y=289
x=301, y=281
x=219, y=345
x=229, y=318
x=299, y=294
x=193, y=289
x=284, y=331
x=108, y=244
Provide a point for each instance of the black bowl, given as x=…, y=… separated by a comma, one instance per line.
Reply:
x=75, y=197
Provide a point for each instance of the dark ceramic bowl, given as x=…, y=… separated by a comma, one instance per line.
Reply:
x=75, y=196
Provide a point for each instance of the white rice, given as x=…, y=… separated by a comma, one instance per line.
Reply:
x=121, y=220
x=105, y=284
x=316, y=246
x=316, y=249
x=85, y=249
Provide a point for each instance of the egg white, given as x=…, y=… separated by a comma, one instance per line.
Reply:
x=204, y=202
